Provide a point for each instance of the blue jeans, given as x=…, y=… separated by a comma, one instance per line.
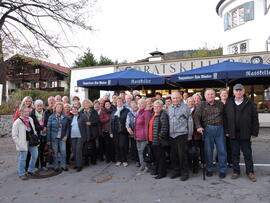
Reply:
x=22, y=160
x=215, y=134
x=56, y=145
x=140, y=146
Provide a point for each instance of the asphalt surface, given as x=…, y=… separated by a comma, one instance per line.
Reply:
x=104, y=183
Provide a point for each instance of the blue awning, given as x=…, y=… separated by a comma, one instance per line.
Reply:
x=221, y=71
x=129, y=77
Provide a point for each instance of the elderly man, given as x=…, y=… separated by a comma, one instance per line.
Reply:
x=209, y=122
x=128, y=99
x=241, y=124
x=181, y=129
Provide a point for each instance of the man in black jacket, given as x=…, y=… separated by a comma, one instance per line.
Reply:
x=241, y=124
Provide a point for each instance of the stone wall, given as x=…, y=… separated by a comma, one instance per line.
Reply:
x=6, y=122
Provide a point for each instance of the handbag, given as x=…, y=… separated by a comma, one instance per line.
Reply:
x=148, y=154
x=32, y=137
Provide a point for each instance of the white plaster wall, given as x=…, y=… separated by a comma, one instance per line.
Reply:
x=256, y=31
x=82, y=73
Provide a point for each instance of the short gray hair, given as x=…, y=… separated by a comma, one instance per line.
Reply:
x=38, y=102
x=197, y=95
x=158, y=102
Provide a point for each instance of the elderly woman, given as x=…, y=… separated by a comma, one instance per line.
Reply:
x=141, y=131
x=20, y=135
x=130, y=125
x=195, y=143
x=27, y=101
x=149, y=104
x=78, y=135
x=159, y=135
x=65, y=100
x=119, y=132
x=105, y=117
x=67, y=112
x=92, y=122
x=37, y=114
x=197, y=98
x=57, y=133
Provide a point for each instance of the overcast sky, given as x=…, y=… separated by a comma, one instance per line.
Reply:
x=131, y=29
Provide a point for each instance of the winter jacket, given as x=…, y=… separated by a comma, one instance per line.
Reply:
x=141, y=125
x=82, y=126
x=160, y=128
x=19, y=134
x=195, y=135
x=93, y=129
x=105, y=117
x=130, y=123
x=118, y=125
x=249, y=122
x=53, y=126
x=181, y=122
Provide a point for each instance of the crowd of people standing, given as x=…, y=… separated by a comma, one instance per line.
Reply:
x=183, y=132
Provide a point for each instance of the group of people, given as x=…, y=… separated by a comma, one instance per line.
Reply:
x=182, y=131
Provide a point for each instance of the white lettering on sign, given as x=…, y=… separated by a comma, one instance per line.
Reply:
x=257, y=73
x=141, y=81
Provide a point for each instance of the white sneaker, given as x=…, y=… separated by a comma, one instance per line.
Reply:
x=125, y=164
x=118, y=163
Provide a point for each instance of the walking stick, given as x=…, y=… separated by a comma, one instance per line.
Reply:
x=203, y=157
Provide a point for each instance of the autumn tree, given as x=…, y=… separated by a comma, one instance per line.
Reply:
x=29, y=26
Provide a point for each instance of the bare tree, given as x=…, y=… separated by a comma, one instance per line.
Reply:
x=27, y=26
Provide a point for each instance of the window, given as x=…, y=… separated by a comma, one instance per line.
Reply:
x=37, y=84
x=239, y=15
x=238, y=48
x=37, y=70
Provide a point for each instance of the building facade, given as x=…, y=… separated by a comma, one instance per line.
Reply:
x=246, y=25
x=27, y=73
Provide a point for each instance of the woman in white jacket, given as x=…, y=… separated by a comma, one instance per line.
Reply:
x=19, y=130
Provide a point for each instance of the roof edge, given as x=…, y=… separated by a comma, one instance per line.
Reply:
x=219, y=4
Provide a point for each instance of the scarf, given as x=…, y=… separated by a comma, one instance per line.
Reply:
x=119, y=109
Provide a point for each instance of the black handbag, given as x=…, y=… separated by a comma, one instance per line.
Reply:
x=32, y=138
x=148, y=154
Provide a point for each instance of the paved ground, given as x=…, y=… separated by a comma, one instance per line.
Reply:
x=107, y=183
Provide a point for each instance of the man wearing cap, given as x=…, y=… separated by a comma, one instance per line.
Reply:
x=106, y=96
x=241, y=124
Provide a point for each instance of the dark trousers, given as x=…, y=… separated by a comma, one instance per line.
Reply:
x=193, y=161
x=159, y=160
x=109, y=147
x=68, y=150
x=76, y=144
x=179, y=156
x=41, y=162
x=133, y=150
x=121, y=146
x=101, y=147
x=245, y=147
x=229, y=150
x=90, y=152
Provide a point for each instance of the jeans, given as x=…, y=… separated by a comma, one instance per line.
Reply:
x=140, y=146
x=215, y=134
x=55, y=147
x=22, y=160
x=245, y=146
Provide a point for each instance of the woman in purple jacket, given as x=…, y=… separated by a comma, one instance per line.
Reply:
x=141, y=131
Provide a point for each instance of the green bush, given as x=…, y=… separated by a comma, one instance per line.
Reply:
x=17, y=96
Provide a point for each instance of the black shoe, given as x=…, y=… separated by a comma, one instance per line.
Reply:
x=153, y=173
x=79, y=169
x=175, y=175
x=65, y=169
x=86, y=163
x=195, y=170
x=184, y=177
x=56, y=170
x=209, y=173
x=159, y=177
x=222, y=175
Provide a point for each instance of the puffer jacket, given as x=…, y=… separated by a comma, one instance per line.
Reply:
x=93, y=130
x=160, y=128
x=53, y=126
x=19, y=134
x=118, y=125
